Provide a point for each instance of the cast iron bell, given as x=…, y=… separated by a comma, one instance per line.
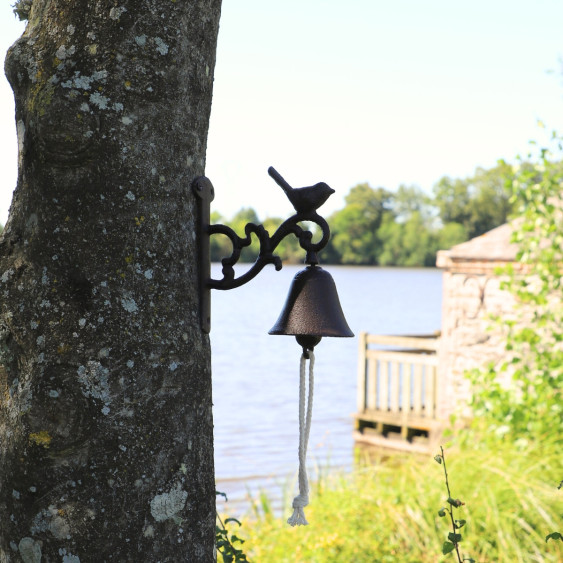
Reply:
x=312, y=309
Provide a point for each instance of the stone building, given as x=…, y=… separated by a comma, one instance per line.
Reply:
x=471, y=295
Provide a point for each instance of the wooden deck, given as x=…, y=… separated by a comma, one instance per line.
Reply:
x=397, y=384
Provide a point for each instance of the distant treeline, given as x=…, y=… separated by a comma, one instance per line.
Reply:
x=402, y=228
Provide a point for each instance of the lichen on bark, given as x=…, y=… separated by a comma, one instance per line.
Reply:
x=22, y=9
x=98, y=286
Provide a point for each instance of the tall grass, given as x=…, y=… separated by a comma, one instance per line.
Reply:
x=389, y=512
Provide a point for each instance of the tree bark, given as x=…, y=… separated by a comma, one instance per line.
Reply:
x=106, y=431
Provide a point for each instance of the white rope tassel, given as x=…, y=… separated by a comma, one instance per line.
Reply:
x=302, y=499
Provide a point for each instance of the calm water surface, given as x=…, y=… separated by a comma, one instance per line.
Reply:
x=256, y=376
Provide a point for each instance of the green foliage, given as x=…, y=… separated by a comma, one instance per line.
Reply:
x=450, y=235
x=386, y=512
x=225, y=543
x=411, y=243
x=355, y=228
x=478, y=203
x=407, y=228
x=452, y=199
x=531, y=405
x=490, y=204
x=408, y=200
x=351, y=240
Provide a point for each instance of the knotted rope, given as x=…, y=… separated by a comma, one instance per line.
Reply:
x=302, y=499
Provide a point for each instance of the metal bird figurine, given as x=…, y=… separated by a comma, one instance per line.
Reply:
x=304, y=200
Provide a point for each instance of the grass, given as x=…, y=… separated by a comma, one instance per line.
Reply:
x=388, y=512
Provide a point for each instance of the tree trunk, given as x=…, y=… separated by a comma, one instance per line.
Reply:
x=106, y=431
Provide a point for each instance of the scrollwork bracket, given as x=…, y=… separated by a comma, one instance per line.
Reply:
x=205, y=192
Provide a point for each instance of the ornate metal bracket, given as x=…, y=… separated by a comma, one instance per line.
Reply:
x=305, y=200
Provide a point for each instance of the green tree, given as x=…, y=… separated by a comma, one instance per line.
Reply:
x=408, y=200
x=451, y=197
x=451, y=234
x=419, y=242
x=407, y=235
x=479, y=203
x=355, y=227
x=409, y=243
x=490, y=202
x=391, y=242
x=375, y=202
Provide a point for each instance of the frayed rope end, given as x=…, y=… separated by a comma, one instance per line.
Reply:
x=298, y=516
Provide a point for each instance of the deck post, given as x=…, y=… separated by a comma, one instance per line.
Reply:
x=384, y=401
x=430, y=400
x=417, y=389
x=395, y=384
x=371, y=385
x=362, y=368
x=406, y=401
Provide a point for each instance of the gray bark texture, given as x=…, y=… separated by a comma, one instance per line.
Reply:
x=106, y=431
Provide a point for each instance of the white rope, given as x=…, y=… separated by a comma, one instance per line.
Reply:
x=302, y=499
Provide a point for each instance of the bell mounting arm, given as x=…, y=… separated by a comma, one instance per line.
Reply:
x=305, y=201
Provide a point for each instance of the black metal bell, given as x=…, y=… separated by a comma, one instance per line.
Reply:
x=312, y=309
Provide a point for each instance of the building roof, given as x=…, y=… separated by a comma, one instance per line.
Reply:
x=493, y=246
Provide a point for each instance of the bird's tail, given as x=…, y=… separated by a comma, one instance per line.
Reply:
x=279, y=179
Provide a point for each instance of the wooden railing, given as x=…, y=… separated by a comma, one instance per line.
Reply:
x=397, y=382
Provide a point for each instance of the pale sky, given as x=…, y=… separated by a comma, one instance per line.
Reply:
x=385, y=92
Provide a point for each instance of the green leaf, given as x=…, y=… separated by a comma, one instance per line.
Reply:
x=438, y=459
x=442, y=512
x=448, y=547
x=459, y=523
x=455, y=538
x=455, y=502
x=235, y=539
x=554, y=536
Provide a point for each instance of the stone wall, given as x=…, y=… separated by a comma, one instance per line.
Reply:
x=471, y=296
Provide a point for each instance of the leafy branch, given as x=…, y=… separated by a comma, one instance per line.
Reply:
x=225, y=544
x=454, y=537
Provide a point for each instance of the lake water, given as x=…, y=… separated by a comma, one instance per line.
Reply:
x=256, y=376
